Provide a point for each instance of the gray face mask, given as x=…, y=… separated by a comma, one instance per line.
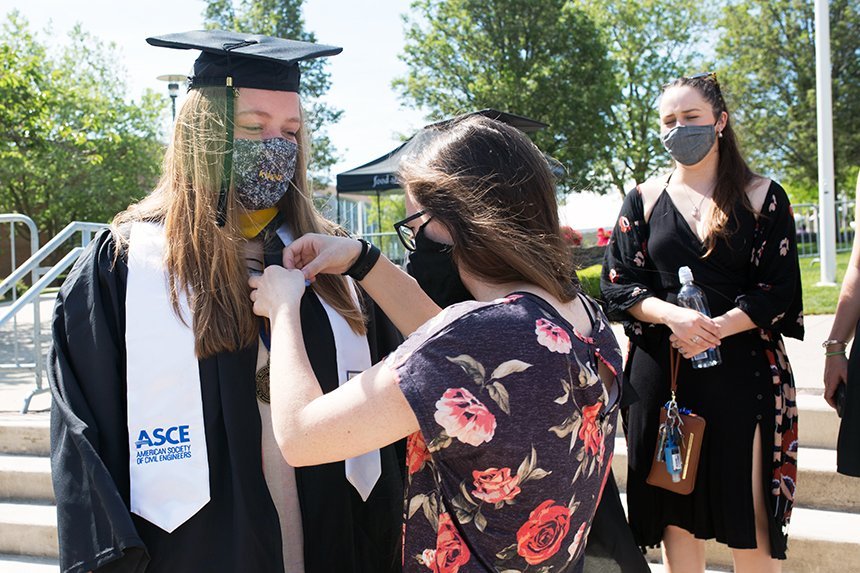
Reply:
x=689, y=144
x=263, y=170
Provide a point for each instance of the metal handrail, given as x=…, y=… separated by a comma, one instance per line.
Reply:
x=48, y=249
x=35, y=291
x=42, y=277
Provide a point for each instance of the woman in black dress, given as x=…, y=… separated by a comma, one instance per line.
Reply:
x=735, y=231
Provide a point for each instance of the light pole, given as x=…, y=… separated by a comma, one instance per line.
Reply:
x=173, y=88
x=826, y=187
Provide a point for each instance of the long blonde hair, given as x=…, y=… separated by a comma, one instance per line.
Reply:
x=204, y=261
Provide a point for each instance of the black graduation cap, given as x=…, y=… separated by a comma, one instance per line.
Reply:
x=236, y=60
x=244, y=60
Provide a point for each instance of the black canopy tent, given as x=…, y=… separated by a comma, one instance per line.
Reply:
x=380, y=175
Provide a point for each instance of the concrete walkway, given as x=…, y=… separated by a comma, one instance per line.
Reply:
x=16, y=384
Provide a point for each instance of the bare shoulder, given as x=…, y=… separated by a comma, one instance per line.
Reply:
x=650, y=191
x=757, y=192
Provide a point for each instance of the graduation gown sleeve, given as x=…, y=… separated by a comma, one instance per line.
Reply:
x=86, y=372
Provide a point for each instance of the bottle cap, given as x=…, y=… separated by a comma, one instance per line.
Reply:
x=685, y=275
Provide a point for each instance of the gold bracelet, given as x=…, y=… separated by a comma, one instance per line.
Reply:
x=833, y=342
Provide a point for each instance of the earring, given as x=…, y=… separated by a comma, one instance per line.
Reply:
x=720, y=134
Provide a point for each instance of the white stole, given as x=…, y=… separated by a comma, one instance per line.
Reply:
x=168, y=461
x=352, y=354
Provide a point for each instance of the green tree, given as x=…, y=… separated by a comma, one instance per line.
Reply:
x=543, y=59
x=71, y=146
x=283, y=19
x=650, y=42
x=767, y=59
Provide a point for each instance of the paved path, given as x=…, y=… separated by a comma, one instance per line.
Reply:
x=16, y=384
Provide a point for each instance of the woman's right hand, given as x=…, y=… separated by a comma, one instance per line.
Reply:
x=316, y=254
x=835, y=373
x=692, y=327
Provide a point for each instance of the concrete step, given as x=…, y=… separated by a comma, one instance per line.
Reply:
x=28, y=530
x=27, y=434
x=26, y=478
x=659, y=568
x=819, y=424
x=818, y=542
x=23, y=564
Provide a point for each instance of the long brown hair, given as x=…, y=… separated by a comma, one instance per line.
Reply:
x=492, y=189
x=733, y=173
x=204, y=261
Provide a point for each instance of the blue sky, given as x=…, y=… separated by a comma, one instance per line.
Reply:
x=371, y=33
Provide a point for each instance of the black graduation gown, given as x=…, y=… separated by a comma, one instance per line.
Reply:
x=238, y=530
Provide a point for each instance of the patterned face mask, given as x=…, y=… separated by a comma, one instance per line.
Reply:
x=263, y=170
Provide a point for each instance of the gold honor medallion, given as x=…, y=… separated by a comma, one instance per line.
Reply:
x=263, y=383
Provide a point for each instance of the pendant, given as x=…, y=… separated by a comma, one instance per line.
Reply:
x=695, y=212
x=262, y=383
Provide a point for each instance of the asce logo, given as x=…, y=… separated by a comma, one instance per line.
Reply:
x=160, y=436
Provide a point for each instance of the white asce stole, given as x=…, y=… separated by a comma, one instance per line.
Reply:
x=353, y=357
x=168, y=461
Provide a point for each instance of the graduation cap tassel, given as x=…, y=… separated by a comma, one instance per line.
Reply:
x=221, y=218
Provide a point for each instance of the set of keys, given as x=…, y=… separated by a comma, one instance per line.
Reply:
x=670, y=437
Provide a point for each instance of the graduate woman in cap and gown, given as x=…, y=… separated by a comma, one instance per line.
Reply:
x=163, y=451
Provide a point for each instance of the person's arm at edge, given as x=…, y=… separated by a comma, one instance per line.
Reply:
x=845, y=321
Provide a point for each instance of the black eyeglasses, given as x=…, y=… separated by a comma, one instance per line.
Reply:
x=407, y=234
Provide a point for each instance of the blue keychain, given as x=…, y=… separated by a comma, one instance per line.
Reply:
x=670, y=440
x=672, y=456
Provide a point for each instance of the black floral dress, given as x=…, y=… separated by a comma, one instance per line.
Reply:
x=756, y=269
x=516, y=437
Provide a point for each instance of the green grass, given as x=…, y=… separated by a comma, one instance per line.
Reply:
x=590, y=279
x=816, y=299
x=820, y=299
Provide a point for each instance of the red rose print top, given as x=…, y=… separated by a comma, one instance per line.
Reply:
x=516, y=437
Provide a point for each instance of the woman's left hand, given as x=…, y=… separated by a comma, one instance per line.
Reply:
x=276, y=288
x=687, y=348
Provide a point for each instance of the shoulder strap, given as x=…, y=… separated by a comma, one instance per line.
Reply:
x=589, y=309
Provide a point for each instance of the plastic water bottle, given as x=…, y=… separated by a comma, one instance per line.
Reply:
x=691, y=296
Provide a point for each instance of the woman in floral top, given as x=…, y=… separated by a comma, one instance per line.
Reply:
x=509, y=402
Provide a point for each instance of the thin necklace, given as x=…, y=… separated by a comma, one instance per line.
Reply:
x=697, y=209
